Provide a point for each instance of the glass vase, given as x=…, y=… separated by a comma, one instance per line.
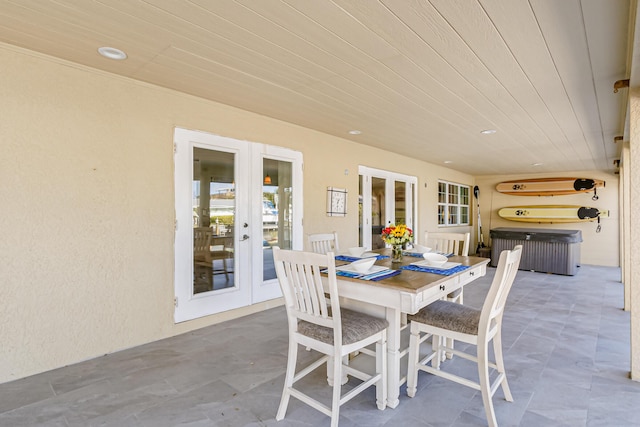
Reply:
x=396, y=253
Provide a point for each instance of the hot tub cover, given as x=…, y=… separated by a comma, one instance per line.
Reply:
x=537, y=234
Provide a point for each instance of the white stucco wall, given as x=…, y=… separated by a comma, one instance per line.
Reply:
x=88, y=207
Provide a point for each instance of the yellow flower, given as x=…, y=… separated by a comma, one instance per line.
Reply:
x=397, y=234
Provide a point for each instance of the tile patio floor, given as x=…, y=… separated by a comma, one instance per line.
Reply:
x=566, y=343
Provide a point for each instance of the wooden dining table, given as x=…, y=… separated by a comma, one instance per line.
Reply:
x=405, y=293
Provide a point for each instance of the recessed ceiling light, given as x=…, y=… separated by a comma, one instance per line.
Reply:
x=448, y=161
x=536, y=164
x=355, y=132
x=112, y=53
x=488, y=131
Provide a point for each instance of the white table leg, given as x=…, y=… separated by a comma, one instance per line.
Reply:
x=345, y=378
x=393, y=357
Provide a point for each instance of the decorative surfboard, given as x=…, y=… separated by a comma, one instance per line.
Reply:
x=550, y=186
x=552, y=213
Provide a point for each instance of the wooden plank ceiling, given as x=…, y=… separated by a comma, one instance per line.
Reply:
x=417, y=77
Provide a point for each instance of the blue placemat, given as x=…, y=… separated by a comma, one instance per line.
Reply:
x=419, y=254
x=413, y=254
x=353, y=258
x=373, y=277
x=379, y=275
x=447, y=272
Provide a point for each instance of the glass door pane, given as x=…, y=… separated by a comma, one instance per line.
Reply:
x=214, y=207
x=400, y=195
x=276, y=198
x=277, y=212
x=378, y=213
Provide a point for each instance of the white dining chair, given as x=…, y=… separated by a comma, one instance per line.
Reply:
x=322, y=243
x=473, y=326
x=449, y=243
x=327, y=328
x=208, y=249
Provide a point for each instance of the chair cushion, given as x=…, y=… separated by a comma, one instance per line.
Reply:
x=449, y=315
x=455, y=293
x=356, y=326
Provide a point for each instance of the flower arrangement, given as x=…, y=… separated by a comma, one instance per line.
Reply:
x=397, y=234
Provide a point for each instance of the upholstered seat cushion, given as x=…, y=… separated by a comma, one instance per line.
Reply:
x=356, y=326
x=455, y=293
x=449, y=315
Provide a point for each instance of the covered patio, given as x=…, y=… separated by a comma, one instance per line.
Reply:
x=566, y=341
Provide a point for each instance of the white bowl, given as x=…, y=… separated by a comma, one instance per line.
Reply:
x=420, y=248
x=435, y=260
x=363, y=265
x=357, y=251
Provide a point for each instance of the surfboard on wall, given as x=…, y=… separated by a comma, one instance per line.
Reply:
x=552, y=213
x=549, y=186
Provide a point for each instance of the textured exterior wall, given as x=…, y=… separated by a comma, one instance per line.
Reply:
x=634, y=230
x=601, y=248
x=625, y=222
x=88, y=205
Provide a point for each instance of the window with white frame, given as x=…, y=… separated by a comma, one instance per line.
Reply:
x=453, y=203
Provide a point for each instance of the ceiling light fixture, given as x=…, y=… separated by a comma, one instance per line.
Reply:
x=267, y=180
x=355, y=132
x=488, y=131
x=536, y=164
x=448, y=161
x=112, y=53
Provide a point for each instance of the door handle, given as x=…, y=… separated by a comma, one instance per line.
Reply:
x=245, y=237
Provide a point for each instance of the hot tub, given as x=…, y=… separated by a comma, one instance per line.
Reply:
x=544, y=250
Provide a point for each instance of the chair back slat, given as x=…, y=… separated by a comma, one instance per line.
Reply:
x=303, y=292
x=310, y=287
x=323, y=243
x=448, y=243
x=295, y=289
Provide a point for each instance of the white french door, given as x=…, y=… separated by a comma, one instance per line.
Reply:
x=241, y=198
x=279, y=221
x=386, y=198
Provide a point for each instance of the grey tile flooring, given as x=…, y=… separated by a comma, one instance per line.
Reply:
x=566, y=342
